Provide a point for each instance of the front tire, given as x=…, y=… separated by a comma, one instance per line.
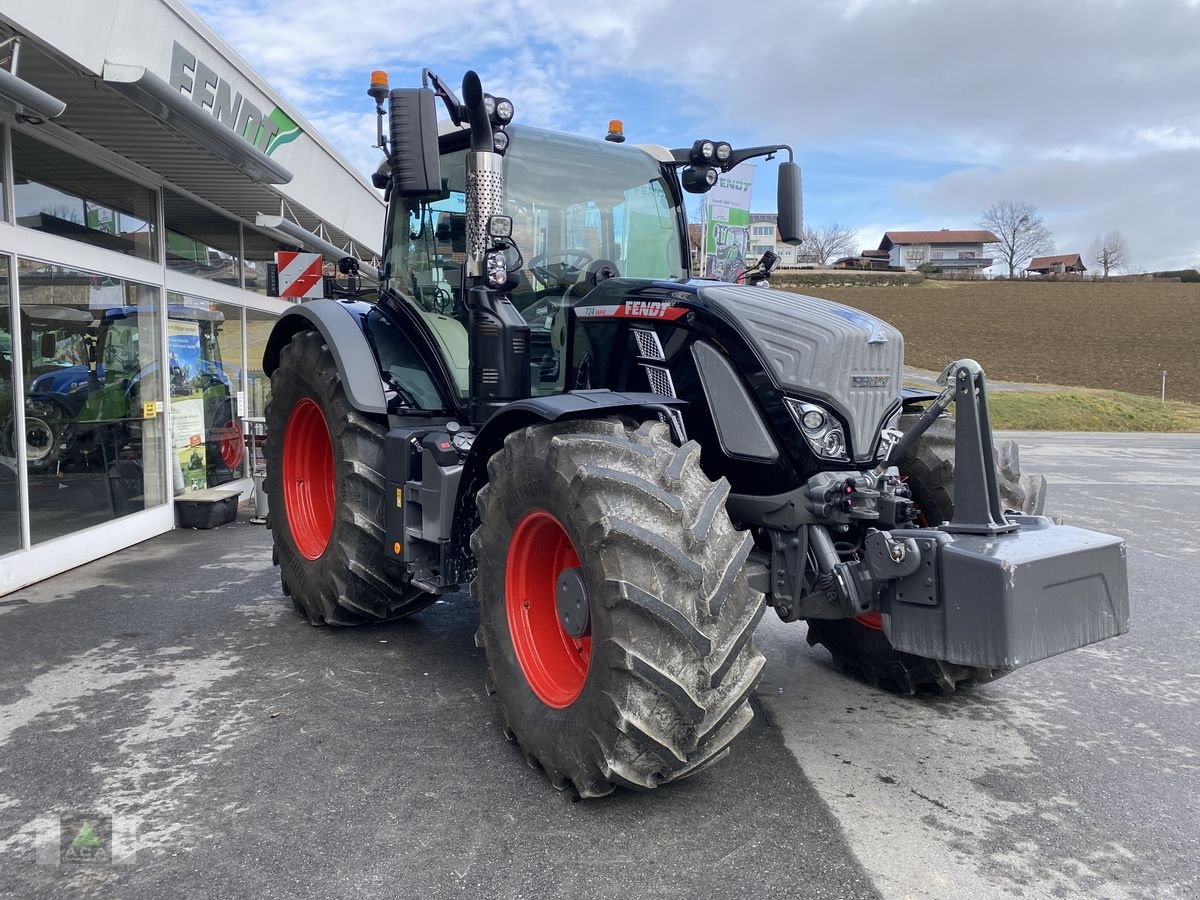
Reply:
x=860, y=645
x=659, y=683
x=324, y=477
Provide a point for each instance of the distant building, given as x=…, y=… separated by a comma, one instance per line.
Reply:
x=764, y=236
x=868, y=259
x=1063, y=264
x=952, y=251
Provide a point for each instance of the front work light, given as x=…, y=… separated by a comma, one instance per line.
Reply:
x=699, y=179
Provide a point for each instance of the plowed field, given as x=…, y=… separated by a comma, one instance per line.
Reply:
x=1117, y=335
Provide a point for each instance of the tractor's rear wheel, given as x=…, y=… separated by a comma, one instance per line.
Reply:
x=860, y=645
x=324, y=478
x=613, y=606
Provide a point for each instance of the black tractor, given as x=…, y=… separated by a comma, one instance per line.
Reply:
x=628, y=466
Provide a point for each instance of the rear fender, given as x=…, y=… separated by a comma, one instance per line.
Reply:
x=357, y=367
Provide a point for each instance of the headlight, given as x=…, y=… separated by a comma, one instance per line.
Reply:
x=500, y=141
x=497, y=271
x=723, y=152
x=505, y=110
x=822, y=431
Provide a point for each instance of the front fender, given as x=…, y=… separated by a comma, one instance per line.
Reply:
x=590, y=404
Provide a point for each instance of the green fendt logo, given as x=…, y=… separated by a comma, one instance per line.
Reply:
x=192, y=78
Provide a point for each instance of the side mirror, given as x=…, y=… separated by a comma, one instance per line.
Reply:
x=416, y=165
x=48, y=345
x=791, y=204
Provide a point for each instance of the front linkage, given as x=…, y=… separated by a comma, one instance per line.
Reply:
x=974, y=596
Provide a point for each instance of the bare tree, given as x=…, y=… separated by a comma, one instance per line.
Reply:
x=824, y=243
x=1020, y=231
x=1110, y=252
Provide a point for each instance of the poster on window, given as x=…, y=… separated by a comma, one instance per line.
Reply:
x=727, y=224
x=187, y=441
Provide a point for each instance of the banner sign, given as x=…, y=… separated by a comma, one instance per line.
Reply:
x=727, y=224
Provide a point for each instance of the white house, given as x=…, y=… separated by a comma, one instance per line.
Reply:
x=764, y=236
x=952, y=251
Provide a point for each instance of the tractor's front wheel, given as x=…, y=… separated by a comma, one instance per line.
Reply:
x=614, y=610
x=860, y=645
x=325, y=480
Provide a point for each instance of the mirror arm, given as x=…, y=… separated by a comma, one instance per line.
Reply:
x=454, y=106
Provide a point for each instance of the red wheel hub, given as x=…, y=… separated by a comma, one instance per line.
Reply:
x=872, y=620
x=555, y=664
x=233, y=451
x=309, y=496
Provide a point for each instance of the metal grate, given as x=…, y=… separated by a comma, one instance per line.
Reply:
x=660, y=380
x=649, y=346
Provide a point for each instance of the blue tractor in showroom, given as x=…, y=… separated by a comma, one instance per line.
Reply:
x=627, y=466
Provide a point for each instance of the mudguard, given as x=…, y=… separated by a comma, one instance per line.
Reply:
x=573, y=405
x=337, y=323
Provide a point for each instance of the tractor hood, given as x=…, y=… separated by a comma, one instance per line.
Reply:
x=820, y=349
x=835, y=355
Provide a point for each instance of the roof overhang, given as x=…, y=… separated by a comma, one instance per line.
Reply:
x=176, y=111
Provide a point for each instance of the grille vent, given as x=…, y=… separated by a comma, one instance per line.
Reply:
x=660, y=380
x=649, y=346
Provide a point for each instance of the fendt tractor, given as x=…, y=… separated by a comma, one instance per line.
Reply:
x=628, y=465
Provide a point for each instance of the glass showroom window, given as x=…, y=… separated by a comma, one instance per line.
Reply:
x=91, y=360
x=200, y=242
x=58, y=193
x=258, y=385
x=10, y=499
x=259, y=250
x=204, y=353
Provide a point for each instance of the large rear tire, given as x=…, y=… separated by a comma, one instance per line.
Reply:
x=324, y=477
x=860, y=645
x=659, y=683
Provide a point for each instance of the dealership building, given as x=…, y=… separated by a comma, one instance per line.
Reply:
x=148, y=178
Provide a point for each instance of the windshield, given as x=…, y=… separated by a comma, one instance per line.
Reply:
x=576, y=205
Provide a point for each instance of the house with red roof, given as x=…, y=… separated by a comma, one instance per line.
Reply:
x=1062, y=264
x=953, y=251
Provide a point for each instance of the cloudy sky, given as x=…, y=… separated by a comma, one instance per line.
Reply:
x=903, y=113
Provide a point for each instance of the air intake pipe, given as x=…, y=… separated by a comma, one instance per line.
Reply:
x=499, y=335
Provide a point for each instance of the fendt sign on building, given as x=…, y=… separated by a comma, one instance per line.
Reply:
x=193, y=78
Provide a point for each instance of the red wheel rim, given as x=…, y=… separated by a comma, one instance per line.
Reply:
x=308, y=483
x=554, y=663
x=232, y=449
x=871, y=620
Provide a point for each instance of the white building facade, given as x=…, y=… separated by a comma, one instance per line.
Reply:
x=147, y=177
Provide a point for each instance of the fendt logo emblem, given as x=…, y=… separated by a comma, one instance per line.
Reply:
x=647, y=309
x=650, y=309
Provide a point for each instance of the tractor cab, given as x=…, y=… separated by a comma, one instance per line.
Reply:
x=582, y=211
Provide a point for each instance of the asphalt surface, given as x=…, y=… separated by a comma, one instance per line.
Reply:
x=241, y=752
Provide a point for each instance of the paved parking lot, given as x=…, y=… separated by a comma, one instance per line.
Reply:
x=241, y=752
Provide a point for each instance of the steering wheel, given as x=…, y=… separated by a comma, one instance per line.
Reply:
x=559, y=266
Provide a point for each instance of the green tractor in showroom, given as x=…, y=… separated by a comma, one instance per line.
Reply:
x=628, y=466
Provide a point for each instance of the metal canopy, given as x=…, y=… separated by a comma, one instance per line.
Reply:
x=155, y=96
x=98, y=112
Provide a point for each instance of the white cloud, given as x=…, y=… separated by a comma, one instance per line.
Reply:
x=1086, y=108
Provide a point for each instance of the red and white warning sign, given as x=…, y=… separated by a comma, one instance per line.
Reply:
x=300, y=275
